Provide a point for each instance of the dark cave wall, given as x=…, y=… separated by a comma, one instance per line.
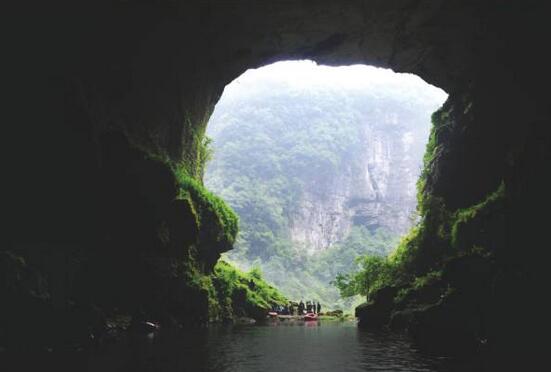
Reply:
x=149, y=66
x=119, y=94
x=484, y=205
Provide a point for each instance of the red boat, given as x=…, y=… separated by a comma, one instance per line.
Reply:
x=310, y=316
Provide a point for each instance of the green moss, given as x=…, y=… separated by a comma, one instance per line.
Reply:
x=467, y=216
x=439, y=120
x=213, y=215
x=418, y=264
x=200, y=291
x=441, y=234
x=196, y=150
x=407, y=244
x=418, y=284
x=472, y=218
x=216, y=221
x=430, y=278
x=243, y=294
x=217, y=227
x=209, y=209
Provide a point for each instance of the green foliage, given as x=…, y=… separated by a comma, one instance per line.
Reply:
x=468, y=218
x=405, y=267
x=376, y=272
x=439, y=121
x=230, y=292
x=308, y=277
x=209, y=207
x=196, y=151
x=204, y=155
x=213, y=216
x=418, y=259
x=439, y=236
x=401, y=256
x=256, y=273
x=274, y=142
x=263, y=181
x=420, y=282
x=264, y=160
x=429, y=278
x=243, y=294
x=362, y=282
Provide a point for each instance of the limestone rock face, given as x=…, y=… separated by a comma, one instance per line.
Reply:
x=375, y=189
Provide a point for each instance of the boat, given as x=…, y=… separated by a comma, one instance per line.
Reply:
x=310, y=316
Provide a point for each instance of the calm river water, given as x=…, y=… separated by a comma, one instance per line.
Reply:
x=277, y=346
x=280, y=346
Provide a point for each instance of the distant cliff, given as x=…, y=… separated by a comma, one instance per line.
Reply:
x=342, y=155
x=375, y=185
x=304, y=161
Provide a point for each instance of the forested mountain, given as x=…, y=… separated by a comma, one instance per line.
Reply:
x=320, y=164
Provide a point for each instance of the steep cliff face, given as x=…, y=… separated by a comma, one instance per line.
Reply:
x=374, y=188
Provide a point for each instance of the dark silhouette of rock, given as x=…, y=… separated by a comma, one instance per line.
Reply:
x=77, y=204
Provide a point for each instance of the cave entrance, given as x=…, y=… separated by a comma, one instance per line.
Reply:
x=321, y=164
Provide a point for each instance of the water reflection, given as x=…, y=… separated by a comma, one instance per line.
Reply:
x=272, y=347
x=275, y=346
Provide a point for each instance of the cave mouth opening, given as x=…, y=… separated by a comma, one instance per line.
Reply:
x=321, y=164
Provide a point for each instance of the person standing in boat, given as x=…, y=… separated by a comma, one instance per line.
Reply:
x=300, y=307
x=319, y=308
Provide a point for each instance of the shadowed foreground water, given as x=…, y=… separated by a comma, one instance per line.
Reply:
x=277, y=346
x=273, y=347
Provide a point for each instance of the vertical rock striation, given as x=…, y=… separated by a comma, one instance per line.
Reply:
x=374, y=188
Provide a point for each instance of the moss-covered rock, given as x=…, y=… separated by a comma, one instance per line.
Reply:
x=153, y=240
x=217, y=223
x=376, y=313
x=470, y=237
x=240, y=294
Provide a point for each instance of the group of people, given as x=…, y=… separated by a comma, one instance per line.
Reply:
x=298, y=309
